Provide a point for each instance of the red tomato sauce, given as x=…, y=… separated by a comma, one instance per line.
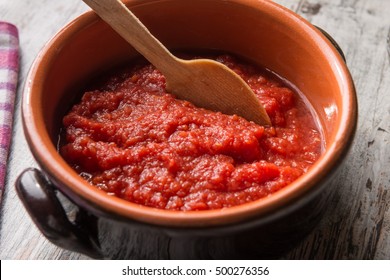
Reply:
x=133, y=140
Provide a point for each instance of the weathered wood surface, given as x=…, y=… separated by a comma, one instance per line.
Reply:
x=357, y=225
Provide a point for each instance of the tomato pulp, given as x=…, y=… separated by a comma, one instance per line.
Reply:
x=132, y=139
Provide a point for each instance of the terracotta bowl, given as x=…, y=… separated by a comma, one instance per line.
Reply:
x=105, y=226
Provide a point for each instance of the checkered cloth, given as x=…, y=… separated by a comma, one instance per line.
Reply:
x=9, y=67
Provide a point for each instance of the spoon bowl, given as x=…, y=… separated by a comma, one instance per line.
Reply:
x=205, y=83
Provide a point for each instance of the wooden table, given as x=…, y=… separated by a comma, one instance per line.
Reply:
x=357, y=224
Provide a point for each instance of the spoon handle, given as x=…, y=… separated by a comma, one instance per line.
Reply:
x=126, y=24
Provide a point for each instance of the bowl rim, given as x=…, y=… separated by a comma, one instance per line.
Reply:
x=91, y=197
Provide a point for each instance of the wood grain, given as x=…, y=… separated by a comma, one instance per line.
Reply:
x=357, y=225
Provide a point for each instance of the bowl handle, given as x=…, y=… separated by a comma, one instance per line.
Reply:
x=39, y=198
x=333, y=41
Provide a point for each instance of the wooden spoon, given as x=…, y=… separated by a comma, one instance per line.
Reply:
x=204, y=82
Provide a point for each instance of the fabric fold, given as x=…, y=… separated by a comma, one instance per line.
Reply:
x=9, y=70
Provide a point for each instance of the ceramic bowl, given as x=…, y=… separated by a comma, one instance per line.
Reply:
x=108, y=227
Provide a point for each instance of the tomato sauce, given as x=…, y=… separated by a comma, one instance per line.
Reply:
x=132, y=139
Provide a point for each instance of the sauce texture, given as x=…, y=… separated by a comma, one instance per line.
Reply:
x=133, y=140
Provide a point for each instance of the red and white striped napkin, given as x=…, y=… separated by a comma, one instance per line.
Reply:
x=9, y=68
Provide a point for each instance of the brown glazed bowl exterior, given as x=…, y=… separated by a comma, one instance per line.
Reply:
x=261, y=31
